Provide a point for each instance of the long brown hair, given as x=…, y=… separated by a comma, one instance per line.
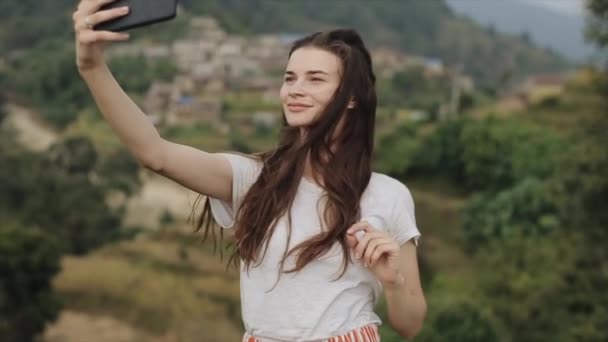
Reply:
x=342, y=159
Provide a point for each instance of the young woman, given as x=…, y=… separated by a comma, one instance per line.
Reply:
x=319, y=235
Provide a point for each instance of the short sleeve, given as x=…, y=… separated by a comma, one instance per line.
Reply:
x=245, y=171
x=402, y=220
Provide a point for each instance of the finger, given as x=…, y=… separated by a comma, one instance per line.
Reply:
x=361, y=226
x=362, y=244
x=356, y=227
x=85, y=19
x=90, y=36
x=351, y=241
x=385, y=248
x=88, y=7
x=371, y=249
x=102, y=16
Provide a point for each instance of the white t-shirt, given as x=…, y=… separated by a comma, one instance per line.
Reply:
x=307, y=305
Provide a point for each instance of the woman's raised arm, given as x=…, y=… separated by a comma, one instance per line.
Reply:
x=200, y=171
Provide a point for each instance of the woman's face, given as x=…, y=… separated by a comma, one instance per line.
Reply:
x=311, y=78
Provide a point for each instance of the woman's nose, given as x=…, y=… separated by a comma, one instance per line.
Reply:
x=295, y=89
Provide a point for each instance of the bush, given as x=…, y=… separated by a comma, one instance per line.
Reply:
x=498, y=153
x=460, y=322
x=441, y=152
x=29, y=259
x=524, y=281
x=396, y=151
x=55, y=191
x=528, y=208
x=489, y=155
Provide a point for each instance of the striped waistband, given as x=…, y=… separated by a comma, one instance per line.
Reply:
x=368, y=333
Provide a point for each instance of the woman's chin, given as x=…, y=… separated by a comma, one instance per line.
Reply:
x=299, y=121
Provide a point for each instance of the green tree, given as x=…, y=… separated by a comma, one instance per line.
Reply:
x=46, y=77
x=597, y=28
x=516, y=275
x=74, y=155
x=488, y=155
x=498, y=153
x=396, y=150
x=29, y=258
x=441, y=153
x=119, y=171
x=460, y=322
x=55, y=190
x=561, y=277
x=529, y=208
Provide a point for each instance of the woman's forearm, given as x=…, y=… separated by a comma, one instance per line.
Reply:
x=127, y=120
x=406, y=309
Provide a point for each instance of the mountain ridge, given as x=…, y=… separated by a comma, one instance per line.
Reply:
x=428, y=28
x=545, y=26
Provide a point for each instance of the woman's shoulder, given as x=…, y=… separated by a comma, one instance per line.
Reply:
x=242, y=159
x=246, y=168
x=385, y=183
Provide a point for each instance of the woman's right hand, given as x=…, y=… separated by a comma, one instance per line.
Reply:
x=89, y=43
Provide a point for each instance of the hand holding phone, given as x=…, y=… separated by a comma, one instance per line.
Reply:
x=90, y=43
x=141, y=13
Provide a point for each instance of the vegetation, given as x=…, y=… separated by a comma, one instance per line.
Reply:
x=513, y=209
x=419, y=27
x=29, y=258
x=535, y=225
x=52, y=84
x=50, y=206
x=164, y=284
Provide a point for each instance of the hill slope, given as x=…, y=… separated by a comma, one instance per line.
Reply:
x=426, y=28
x=561, y=31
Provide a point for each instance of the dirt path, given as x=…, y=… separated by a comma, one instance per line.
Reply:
x=72, y=326
x=157, y=195
x=30, y=131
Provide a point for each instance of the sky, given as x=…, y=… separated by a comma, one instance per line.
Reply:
x=559, y=24
x=568, y=7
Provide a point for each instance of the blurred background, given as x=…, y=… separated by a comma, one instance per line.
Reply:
x=494, y=113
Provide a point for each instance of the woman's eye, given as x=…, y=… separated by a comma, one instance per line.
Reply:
x=315, y=79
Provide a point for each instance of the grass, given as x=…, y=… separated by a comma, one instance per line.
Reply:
x=90, y=124
x=441, y=252
x=439, y=219
x=149, y=284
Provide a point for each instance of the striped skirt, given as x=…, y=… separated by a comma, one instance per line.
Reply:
x=368, y=333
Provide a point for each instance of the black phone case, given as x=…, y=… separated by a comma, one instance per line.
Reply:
x=141, y=13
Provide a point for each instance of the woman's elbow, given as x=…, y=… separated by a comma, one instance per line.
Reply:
x=415, y=325
x=411, y=331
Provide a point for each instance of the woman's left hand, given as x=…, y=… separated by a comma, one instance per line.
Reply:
x=377, y=251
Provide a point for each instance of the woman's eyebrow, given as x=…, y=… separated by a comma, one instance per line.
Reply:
x=311, y=72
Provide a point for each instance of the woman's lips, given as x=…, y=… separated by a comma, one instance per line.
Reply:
x=297, y=108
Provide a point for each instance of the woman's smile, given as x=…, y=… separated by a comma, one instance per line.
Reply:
x=297, y=107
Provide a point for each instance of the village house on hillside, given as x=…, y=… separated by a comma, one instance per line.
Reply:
x=534, y=89
x=389, y=61
x=193, y=109
x=166, y=104
x=211, y=62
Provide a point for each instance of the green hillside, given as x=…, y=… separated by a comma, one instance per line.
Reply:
x=427, y=28
x=419, y=27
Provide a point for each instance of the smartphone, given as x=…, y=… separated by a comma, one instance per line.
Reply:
x=141, y=13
